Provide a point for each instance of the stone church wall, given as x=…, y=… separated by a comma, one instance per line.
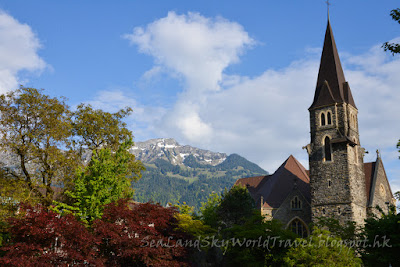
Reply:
x=285, y=213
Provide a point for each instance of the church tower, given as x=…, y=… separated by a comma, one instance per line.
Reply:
x=335, y=156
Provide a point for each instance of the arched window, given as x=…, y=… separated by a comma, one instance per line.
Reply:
x=322, y=119
x=327, y=149
x=295, y=203
x=353, y=120
x=329, y=117
x=298, y=227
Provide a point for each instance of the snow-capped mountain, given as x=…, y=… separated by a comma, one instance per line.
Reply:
x=170, y=150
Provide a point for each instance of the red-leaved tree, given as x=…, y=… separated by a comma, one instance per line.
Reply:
x=127, y=235
x=141, y=235
x=43, y=238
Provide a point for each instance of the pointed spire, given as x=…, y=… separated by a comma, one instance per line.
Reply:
x=331, y=74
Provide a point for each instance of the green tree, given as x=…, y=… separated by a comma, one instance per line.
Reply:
x=256, y=242
x=95, y=128
x=106, y=179
x=235, y=207
x=209, y=208
x=393, y=47
x=46, y=142
x=189, y=223
x=33, y=128
x=383, y=240
x=321, y=249
x=346, y=231
x=398, y=147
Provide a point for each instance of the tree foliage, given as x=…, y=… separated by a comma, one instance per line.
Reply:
x=383, y=240
x=47, y=142
x=98, y=129
x=12, y=192
x=321, y=249
x=44, y=238
x=128, y=234
x=106, y=179
x=347, y=231
x=393, y=47
x=33, y=128
x=140, y=235
x=209, y=210
x=235, y=207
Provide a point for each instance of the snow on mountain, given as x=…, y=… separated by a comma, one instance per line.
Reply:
x=169, y=149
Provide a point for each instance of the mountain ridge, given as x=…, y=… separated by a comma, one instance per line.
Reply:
x=182, y=173
x=175, y=153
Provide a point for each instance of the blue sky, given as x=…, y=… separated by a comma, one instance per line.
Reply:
x=229, y=76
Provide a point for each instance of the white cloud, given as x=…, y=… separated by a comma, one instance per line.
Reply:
x=193, y=46
x=196, y=49
x=18, y=51
x=143, y=119
x=263, y=118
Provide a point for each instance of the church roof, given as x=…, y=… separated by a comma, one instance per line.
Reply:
x=331, y=84
x=369, y=170
x=274, y=188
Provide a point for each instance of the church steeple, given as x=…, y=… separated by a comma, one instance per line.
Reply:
x=337, y=176
x=331, y=84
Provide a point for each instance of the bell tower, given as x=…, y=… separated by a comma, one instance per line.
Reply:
x=335, y=156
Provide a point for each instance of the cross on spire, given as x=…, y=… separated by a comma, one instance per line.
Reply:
x=328, y=4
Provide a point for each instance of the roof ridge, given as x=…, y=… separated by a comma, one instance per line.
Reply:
x=301, y=167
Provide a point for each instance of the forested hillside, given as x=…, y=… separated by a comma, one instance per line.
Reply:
x=191, y=181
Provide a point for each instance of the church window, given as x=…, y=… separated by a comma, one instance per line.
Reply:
x=323, y=211
x=298, y=227
x=338, y=210
x=353, y=120
x=329, y=117
x=329, y=183
x=327, y=149
x=323, y=119
x=296, y=203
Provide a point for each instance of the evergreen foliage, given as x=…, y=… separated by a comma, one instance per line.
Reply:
x=165, y=183
x=235, y=207
x=234, y=160
x=192, y=162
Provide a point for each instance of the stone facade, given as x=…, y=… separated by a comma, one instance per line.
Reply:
x=338, y=184
x=380, y=192
x=286, y=212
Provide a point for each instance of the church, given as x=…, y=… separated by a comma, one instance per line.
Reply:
x=338, y=183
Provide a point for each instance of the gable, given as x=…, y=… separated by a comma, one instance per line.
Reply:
x=276, y=187
x=380, y=193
